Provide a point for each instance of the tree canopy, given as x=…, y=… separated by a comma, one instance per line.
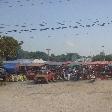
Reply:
x=8, y=47
x=44, y=56
x=102, y=57
x=28, y=55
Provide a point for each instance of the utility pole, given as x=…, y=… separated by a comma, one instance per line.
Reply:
x=48, y=52
x=103, y=52
x=20, y=43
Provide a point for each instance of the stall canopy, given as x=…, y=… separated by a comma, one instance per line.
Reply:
x=54, y=63
x=99, y=63
x=38, y=61
x=34, y=64
x=20, y=61
x=11, y=67
x=74, y=64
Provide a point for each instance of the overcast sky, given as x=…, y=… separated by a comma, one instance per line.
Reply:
x=61, y=18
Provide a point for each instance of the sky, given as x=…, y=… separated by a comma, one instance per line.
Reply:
x=64, y=26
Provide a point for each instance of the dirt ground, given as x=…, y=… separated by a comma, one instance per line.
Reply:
x=79, y=96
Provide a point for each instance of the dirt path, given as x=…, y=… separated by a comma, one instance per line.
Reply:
x=57, y=97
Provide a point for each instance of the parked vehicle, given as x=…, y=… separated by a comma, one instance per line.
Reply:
x=2, y=73
x=44, y=77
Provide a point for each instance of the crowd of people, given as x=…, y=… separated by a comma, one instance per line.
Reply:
x=83, y=72
x=59, y=72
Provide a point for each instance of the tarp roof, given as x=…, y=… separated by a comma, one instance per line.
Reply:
x=99, y=63
x=11, y=67
x=38, y=61
x=33, y=64
x=20, y=61
x=54, y=63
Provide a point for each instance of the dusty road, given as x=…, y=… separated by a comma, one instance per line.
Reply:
x=57, y=97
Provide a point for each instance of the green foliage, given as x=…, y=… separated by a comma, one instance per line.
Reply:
x=34, y=55
x=108, y=57
x=44, y=56
x=98, y=58
x=102, y=58
x=102, y=53
x=72, y=56
x=8, y=47
x=62, y=57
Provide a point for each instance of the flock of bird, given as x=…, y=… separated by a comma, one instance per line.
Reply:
x=21, y=3
x=44, y=26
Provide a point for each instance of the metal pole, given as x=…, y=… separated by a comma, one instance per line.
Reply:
x=104, y=53
x=18, y=49
x=48, y=52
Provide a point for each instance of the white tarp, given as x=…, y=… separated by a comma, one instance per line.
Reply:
x=38, y=61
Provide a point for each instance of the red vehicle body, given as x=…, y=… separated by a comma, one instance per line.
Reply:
x=50, y=76
x=30, y=75
x=47, y=76
x=44, y=77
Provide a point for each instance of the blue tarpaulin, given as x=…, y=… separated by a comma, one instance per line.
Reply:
x=10, y=67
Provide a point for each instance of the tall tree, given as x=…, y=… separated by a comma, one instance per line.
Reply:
x=9, y=47
x=72, y=56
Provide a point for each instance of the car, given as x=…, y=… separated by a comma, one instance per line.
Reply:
x=41, y=78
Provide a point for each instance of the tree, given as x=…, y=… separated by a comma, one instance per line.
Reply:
x=102, y=58
x=52, y=57
x=72, y=56
x=32, y=55
x=108, y=57
x=98, y=58
x=9, y=47
x=102, y=53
